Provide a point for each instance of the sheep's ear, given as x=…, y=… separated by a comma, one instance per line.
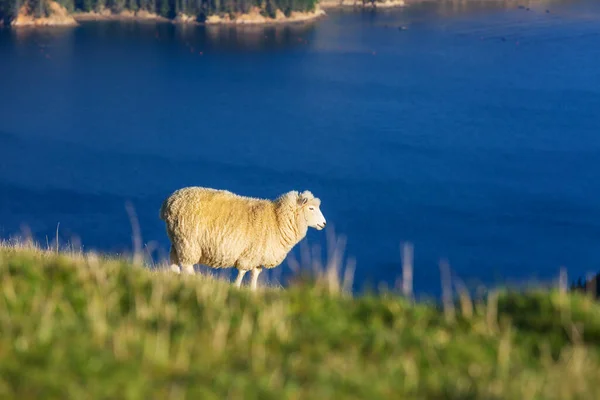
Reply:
x=307, y=194
x=302, y=200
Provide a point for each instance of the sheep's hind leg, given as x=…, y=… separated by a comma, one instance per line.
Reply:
x=240, y=277
x=174, y=261
x=255, y=272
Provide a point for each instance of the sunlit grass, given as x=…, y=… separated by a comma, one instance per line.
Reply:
x=81, y=325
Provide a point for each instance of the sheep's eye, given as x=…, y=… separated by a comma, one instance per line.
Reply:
x=311, y=208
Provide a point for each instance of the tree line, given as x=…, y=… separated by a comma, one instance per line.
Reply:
x=200, y=9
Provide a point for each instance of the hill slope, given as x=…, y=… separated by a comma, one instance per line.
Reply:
x=76, y=326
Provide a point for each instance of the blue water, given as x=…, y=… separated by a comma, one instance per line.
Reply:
x=474, y=134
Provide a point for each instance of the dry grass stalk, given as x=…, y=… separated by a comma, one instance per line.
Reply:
x=492, y=311
x=466, y=304
x=407, y=270
x=136, y=236
x=446, y=282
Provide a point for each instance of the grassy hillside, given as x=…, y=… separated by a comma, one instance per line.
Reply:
x=81, y=327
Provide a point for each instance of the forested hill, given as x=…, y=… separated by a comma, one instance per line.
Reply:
x=197, y=9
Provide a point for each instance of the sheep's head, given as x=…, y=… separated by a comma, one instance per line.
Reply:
x=310, y=209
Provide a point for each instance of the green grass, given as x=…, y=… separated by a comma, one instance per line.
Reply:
x=75, y=326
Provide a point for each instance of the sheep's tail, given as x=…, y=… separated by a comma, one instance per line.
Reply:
x=162, y=214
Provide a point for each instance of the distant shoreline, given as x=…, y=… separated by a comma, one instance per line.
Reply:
x=335, y=4
x=252, y=18
x=58, y=16
x=107, y=15
x=256, y=17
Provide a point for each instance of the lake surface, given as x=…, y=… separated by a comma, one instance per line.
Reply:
x=474, y=133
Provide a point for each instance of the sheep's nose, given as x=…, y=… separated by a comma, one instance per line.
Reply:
x=324, y=223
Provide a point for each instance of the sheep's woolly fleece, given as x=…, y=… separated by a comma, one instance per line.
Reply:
x=221, y=229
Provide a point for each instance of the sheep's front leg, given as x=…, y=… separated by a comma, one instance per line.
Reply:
x=255, y=272
x=189, y=269
x=238, y=280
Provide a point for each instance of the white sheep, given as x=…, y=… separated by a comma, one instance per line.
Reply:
x=221, y=229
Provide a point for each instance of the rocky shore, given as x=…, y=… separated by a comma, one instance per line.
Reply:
x=255, y=17
x=106, y=14
x=360, y=4
x=58, y=16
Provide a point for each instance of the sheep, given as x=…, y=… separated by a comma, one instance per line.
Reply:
x=221, y=229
